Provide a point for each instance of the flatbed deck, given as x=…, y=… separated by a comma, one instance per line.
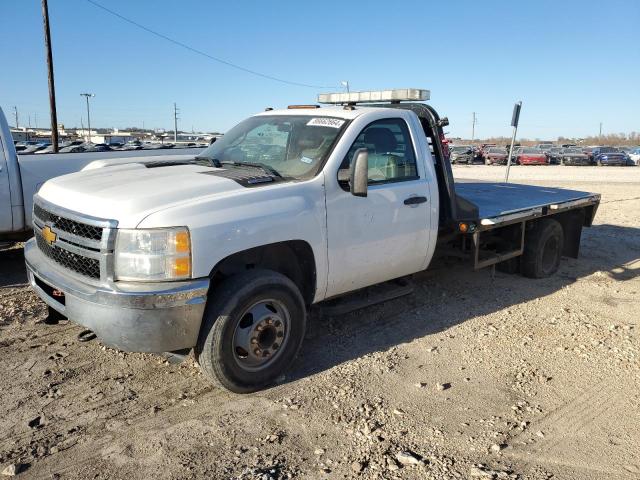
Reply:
x=499, y=202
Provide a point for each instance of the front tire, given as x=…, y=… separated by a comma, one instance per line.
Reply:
x=542, y=249
x=252, y=329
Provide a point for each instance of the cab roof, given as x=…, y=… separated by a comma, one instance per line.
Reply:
x=331, y=111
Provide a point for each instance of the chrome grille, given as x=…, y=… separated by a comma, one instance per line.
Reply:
x=89, y=267
x=66, y=225
x=81, y=244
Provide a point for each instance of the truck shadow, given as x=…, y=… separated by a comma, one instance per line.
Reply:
x=451, y=293
x=12, y=270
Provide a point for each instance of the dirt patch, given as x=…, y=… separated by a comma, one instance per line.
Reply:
x=468, y=377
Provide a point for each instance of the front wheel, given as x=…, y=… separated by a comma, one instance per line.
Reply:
x=252, y=329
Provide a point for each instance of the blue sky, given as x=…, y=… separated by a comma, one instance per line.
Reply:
x=574, y=64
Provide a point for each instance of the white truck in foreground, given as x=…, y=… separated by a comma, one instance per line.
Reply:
x=224, y=253
x=22, y=176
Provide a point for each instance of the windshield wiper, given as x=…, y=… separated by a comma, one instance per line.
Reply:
x=267, y=168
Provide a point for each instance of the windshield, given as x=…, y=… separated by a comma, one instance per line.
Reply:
x=460, y=149
x=573, y=150
x=530, y=151
x=608, y=150
x=291, y=146
x=497, y=150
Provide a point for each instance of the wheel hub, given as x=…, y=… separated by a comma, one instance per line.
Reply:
x=260, y=334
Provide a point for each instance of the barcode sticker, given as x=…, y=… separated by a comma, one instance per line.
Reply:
x=326, y=122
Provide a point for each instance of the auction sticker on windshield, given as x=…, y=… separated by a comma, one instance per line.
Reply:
x=326, y=122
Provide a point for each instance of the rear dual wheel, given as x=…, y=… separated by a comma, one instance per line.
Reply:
x=252, y=329
x=542, y=249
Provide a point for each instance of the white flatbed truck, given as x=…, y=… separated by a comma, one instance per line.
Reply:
x=225, y=252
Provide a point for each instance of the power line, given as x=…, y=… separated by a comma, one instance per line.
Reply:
x=200, y=52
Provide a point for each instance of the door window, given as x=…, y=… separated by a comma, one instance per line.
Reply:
x=391, y=153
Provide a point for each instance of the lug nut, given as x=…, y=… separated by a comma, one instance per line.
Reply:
x=257, y=351
x=254, y=341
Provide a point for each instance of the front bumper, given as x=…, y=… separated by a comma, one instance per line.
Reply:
x=617, y=162
x=134, y=317
x=584, y=162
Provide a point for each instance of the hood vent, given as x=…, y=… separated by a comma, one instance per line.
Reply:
x=167, y=163
x=245, y=176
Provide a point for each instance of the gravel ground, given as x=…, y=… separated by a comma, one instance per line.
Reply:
x=468, y=377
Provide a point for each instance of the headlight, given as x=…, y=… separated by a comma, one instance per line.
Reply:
x=153, y=255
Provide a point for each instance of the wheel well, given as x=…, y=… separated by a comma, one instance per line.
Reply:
x=294, y=259
x=572, y=222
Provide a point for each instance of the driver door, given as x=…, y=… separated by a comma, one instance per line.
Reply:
x=384, y=235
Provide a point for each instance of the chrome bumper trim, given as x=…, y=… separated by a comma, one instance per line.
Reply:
x=139, y=317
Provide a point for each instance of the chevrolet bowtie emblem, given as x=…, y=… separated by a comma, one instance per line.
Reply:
x=49, y=236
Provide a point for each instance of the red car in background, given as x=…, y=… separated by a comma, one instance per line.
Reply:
x=531, y=156
x=495, y=156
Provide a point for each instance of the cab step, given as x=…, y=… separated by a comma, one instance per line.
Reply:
x=368, y=296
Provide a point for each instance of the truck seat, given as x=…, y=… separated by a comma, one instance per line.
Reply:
x=383, y=163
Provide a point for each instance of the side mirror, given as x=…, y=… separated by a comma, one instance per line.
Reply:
x=359, y=173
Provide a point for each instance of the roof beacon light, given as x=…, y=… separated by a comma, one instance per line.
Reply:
x=397, y=95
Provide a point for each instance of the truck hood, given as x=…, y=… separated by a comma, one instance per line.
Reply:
x=129, y=193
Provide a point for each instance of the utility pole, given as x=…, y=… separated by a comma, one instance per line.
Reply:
x=473, y=126
x=15, y=114
x=600, y=134
x=52, y=87
x=345, y=83
x=36, y=119
x=86, y=96
x=175, y=123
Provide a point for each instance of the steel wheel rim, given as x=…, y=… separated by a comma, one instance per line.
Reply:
x=261, y=334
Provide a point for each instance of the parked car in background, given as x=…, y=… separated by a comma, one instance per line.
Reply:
x=634, y=155
x=96, y=147
x=531, y=156
x=544, y=146
x=574, y=156
x=72, y=149
x=31, y=149
x=588, y=151
x=610, y=156
x=495, y=156
x=553, y=155
x=461, y=154
x=480, y=151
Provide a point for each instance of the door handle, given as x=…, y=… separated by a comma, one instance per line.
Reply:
x=415, y=200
